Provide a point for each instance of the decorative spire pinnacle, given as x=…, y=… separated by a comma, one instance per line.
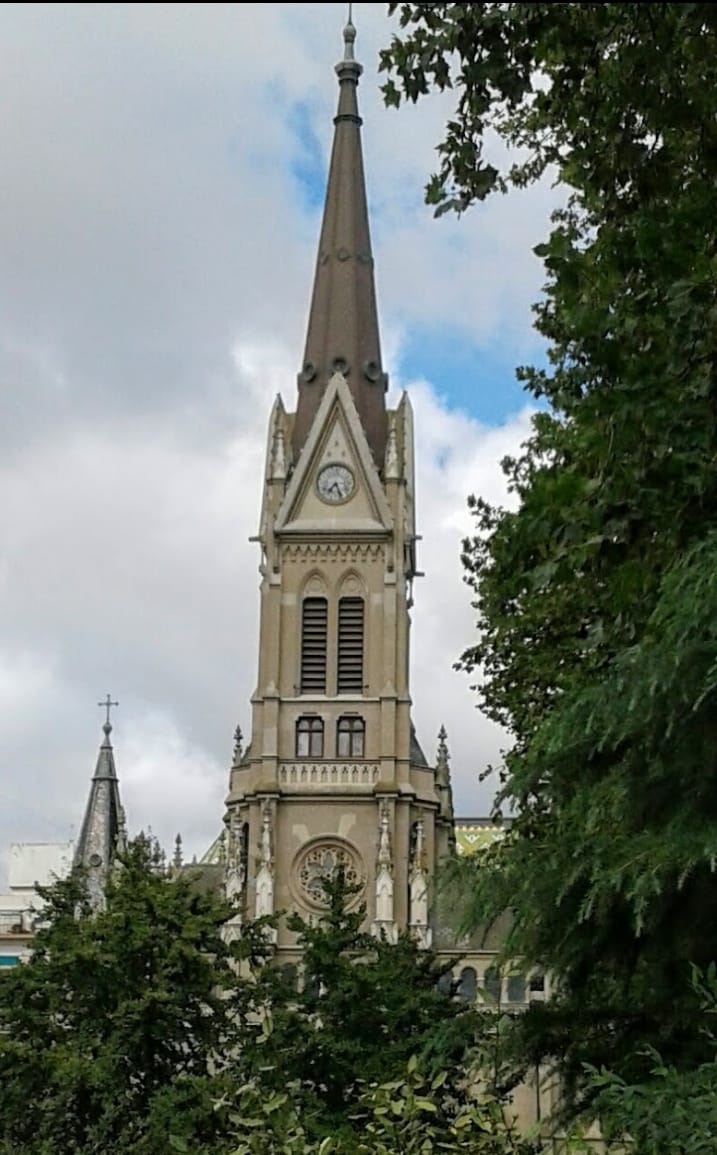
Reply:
x=442, y=746
x=391, y=470
x=342, y=333
x=443, y=775
x=122, y=829
x=238, y=748
x=278, y=456
x=419, y=853
x=103, y=830
x=265, y=855
x=384, y=842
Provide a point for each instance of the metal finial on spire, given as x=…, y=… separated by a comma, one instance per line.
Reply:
x=107, y=705
x=349, y=37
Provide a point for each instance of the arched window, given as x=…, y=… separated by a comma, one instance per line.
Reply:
x=349, y=666
x=492, y=985
x=516, y=988
x=310, y=737
x=467, y=985
x=350, y=733
x=314, y=618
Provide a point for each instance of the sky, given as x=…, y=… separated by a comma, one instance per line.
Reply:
x=163, y=177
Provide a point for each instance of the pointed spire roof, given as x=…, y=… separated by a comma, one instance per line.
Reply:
x=103, y=823
x=342, y=333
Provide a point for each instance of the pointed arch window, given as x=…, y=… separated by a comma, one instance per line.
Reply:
x=314, y=619
x=349, y=671
x=310, y=737
x=350, y=736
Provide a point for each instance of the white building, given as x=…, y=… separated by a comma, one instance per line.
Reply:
x=30, y=864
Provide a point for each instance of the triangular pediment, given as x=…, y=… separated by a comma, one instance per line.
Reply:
x=335, y=486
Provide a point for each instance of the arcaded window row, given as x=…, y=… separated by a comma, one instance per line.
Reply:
x=350, y=737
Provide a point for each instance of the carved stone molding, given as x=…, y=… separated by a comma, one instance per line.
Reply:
x=328, y=774
x=322, y=551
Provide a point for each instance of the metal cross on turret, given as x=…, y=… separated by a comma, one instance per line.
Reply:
x=107, y=705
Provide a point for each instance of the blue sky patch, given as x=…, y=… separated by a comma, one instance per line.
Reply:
x=307, y=165
x=477, y=379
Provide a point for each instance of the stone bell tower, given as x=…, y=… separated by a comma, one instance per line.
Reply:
x=333, y=773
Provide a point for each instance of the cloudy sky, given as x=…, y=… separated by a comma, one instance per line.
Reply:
x=163, y=172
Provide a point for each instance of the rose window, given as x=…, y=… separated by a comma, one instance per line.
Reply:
x=322, y=862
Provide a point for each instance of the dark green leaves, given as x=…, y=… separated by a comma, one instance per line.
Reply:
x=595, y=596
x=107, y=1034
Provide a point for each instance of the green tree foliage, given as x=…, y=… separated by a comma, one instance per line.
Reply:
x=363, y=1008
x=107, y=1032
x=410, y=1115
x=670, y=1111
x=132, y=1030
x=415, y=1115
x=596, y=596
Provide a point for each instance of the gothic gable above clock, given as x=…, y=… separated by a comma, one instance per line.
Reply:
x=335, y=486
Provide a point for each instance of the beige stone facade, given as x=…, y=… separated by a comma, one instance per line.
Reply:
x=359, y=771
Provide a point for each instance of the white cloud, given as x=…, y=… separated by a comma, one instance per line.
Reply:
x=455, y=457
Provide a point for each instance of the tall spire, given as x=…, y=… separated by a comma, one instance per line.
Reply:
x=103, y=821
x=342, y=333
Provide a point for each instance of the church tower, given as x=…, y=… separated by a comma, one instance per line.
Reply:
x=333, y=773
x=103, y=834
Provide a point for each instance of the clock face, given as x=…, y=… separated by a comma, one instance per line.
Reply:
x=335, y=483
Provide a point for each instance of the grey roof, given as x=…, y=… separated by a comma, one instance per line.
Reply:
x=418, y=758
x=103, y=823
x=342, y=333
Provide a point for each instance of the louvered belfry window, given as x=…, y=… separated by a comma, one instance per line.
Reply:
x=314, y=618
x=349, y=676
